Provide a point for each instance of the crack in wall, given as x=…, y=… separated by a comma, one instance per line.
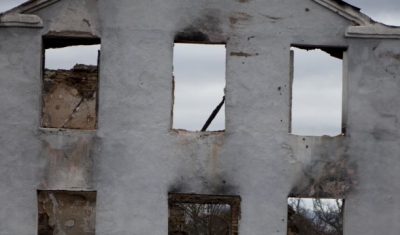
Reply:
x=65, y=92
x=66, y=213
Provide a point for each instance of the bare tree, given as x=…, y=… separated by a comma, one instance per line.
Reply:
x=315, y=217
x=203, y=219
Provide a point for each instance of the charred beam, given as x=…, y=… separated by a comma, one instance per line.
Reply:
x=213, y=115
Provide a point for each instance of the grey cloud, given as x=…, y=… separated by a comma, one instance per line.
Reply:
x=385, y=11
x=8, y=4
x=199, y=72
x=66, y=58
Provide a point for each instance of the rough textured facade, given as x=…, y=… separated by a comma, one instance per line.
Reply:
x=66, y=212
x=69, y=98
x=133, y=159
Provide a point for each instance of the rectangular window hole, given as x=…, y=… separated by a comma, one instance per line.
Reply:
x=70, y=83
x=315, y=216
x=318, y=78
x=191, y=214
x=66, y=212
x=199, y=82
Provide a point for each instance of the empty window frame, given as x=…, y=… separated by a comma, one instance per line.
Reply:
x=66, y=212
x=315, y=216
x=70, y=82
x=199, y=82
x=191, y=214
x=318, y=79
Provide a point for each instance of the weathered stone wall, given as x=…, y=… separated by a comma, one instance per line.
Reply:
x=62, y=212
x=133, y=159
x=70, y=98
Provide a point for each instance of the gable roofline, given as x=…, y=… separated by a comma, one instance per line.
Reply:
x=21, y=16
x=30, y=6
x=362, y=25
x=346, y=10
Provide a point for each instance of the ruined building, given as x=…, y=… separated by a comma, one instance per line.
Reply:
x=91, y=149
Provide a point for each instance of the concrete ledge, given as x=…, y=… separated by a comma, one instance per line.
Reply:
x=363, y=26
x=21, y=20
x=373, y=31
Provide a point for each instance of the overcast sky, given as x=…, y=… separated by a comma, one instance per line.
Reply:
x=199, y=89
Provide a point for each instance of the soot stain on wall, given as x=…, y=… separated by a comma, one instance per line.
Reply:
x=335, y=180
x=205, y=29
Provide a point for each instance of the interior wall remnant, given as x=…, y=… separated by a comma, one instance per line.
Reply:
x=191, y=214
x=66, y=213
x=70, y=98
x=327, y=179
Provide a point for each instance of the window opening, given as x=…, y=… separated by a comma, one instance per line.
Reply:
x=66, y=212
x=317, y=91
x=70, y=83
x=191, y=214
x=199, y=82
x=315, y=216
x=68, y=57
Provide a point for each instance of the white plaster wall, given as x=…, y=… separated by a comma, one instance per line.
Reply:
x=20, y=163
x=133, y=160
